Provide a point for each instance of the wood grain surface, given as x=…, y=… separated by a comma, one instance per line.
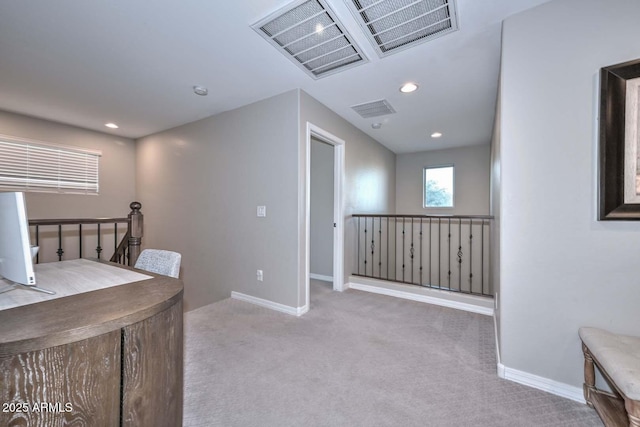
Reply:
x=79, y=360
x=152, y=367
x=76, y=384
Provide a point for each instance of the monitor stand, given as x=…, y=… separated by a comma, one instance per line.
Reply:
x=7, y=288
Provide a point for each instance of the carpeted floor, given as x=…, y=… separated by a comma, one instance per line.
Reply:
x=355, y=359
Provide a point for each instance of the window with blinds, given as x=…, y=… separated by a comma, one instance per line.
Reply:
x=27, y=165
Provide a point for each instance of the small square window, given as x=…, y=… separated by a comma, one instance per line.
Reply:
x=438, y=187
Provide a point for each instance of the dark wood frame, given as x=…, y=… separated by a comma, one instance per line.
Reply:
x=611, y=204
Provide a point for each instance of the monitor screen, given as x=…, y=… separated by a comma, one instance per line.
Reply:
x=16, y=263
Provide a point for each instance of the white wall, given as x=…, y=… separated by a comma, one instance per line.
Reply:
x=201, y=183
x=321, y=205
x=471, y=180
x=560, y=268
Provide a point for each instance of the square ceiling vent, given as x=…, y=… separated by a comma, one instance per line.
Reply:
x=393, y=25
x=374, y=109
x=310, y=35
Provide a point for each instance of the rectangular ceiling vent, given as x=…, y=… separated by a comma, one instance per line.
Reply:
x=393, y=25
x=310, y=35
x=374, y=109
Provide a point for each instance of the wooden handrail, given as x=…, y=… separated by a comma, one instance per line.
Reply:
x=423, y=216
x=76, y=221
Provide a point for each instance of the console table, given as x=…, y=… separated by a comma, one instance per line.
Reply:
x=107, y=350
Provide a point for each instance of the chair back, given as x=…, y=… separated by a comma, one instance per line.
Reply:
x=160, y=261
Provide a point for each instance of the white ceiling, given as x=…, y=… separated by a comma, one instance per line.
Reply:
x=134, y=62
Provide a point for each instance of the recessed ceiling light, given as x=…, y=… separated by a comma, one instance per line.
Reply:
x=200, y=90
x=376, y=125
x=111, y=125
x=319, y=28
x=409, y=87
x=436, y=135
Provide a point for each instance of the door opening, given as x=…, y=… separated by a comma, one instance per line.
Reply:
x=327, y=251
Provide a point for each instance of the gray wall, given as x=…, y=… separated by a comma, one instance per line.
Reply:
x=201, y=183
x=560, y=267
x=471, y=180
x=117, y=169
x=321, y=226
x=117, y=186
x=370, y=170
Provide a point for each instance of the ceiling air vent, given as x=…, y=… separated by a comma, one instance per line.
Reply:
x=392, y=25
x=374, y=109
x=309, y=34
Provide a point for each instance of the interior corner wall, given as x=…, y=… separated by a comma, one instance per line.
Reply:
x=560, y=267
x=471, y=180
x=117, y=169
x=495, y=198
x=370, y=170
x=201, y=183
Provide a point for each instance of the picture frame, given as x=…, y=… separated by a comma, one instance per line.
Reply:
x=619, y=142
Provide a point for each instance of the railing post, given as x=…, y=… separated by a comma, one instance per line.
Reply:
x=135, y=232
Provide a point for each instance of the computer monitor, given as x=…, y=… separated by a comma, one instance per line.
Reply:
x=16, y=261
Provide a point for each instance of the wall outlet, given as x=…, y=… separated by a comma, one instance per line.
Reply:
x=259, y=276
x=262, y=211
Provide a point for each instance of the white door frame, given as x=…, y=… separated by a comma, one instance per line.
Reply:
x=338, y=215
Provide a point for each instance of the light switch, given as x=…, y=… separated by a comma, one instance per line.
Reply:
x=262, y=211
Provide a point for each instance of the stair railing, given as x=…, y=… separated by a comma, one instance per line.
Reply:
x=446, y=252
x=126, y=233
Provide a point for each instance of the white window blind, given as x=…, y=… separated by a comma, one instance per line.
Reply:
x=27, y=165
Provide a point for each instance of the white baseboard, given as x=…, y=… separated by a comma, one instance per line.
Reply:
x=321, y=277
x=294, y=311
x=422, y=298
x=545, y=384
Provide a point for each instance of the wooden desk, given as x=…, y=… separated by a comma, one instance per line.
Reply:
x=107, y=357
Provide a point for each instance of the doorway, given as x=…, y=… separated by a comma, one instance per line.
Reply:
x=325, y=245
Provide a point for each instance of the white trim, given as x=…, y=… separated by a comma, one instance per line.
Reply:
x=422, y=298
x=294, y=311
x=495, y=330
x=321, y=277
x=541, y=383
x=338, y=203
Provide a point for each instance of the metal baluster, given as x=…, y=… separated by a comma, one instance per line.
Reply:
x=482, y=257
x=403, y=265
x=373, y=245
x=380, y=251
x=388, y=237
x=359, y=218
x=411, y=251
x=365, y=244
x=471, y=255
x=60, y=251
x=460, y=254
x=421, y=281
x=98, y=248
x=449, y=254
x=80, y=240
x=429, y=251
x=394, y=264
x=115, y=237
x=439, y=253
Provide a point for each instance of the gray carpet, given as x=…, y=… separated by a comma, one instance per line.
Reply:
x=356, y=359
